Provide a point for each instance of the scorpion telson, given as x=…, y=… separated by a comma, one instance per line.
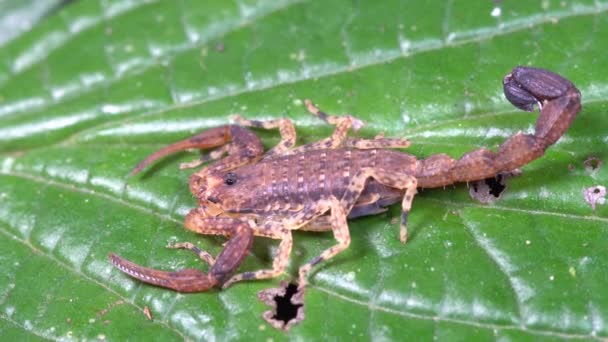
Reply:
x=317, y=187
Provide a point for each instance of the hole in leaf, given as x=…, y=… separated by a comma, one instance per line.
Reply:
x=285, y=301
x=490, y=189
x=286, y=310
x=496, y=187
x=592, y=163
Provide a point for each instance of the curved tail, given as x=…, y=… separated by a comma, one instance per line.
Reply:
x=559, y=102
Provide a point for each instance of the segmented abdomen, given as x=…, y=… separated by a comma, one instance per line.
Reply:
x=293, y=181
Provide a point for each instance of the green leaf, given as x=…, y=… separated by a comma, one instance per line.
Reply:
x=17, y=17
x=91, y=90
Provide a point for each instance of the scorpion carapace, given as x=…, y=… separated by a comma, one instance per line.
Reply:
x=318, y=186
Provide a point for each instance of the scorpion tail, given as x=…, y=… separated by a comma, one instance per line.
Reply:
x=188, y=280
x=559, y=102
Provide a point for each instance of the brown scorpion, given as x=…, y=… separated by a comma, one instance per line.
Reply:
x=317, y=187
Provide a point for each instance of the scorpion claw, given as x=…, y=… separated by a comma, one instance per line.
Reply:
x=211, y=138
x=188, y=280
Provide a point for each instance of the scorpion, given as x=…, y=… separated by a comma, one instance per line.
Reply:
x=318, y=186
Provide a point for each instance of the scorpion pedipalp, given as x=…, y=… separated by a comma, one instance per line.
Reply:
x=247, y=147
x=187, y=280
x=193, y=280
x=208, y=139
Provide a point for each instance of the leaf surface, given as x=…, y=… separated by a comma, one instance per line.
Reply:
x=93, y=89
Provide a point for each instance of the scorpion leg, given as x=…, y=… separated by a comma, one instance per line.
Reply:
x=332, y=119
x=281, y=259
x=342, y=123
x=213, y=155
x=193, y=280
x=400, y=181
x=277, y=230
x=380, y=142
x=205, y=256
x=340, y=229
x=371, y=205
x=321, y=224
x=286, y=129
x=338, y=138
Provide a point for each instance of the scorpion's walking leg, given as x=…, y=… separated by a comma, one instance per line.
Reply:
x=193, y=280
x=332, y=119
x=213, y=155
x=379, y=143
x=203, y=255
x=341, y=234
x=342, y=123
x=321, y=224
x=281, y=257
x=397, y=180
x=278, y=230
x=286, y=129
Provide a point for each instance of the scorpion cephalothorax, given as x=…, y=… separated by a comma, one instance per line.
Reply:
x=316, y=187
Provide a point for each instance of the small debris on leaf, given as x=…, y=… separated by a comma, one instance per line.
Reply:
x=286, y=303
x=595, y=195
x=491, y=189
x=147, y=313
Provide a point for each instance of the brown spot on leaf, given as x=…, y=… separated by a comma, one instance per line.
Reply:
x=287, y=309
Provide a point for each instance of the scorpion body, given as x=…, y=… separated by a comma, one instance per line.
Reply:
x=318, y=186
